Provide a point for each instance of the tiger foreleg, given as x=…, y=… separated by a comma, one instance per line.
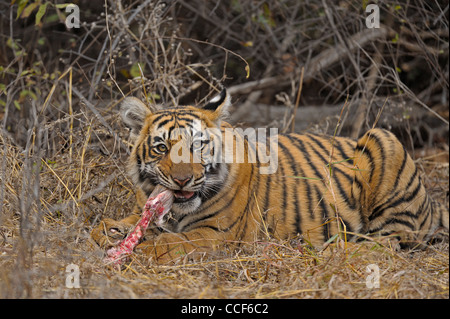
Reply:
x=170, y=247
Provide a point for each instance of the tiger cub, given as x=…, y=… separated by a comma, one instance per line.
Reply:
x=230, y=187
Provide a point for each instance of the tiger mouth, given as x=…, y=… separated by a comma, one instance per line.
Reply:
x=184, y=196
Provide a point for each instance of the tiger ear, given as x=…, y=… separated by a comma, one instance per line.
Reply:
x=219, y=105
x=133, y=112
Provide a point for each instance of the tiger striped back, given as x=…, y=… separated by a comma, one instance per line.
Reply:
x=392, y=196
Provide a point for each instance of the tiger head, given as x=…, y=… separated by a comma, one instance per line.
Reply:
x=173, y=147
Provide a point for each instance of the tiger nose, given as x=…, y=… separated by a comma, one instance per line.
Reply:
x=182, y=181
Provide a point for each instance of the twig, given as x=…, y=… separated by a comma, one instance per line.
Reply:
x=297, y=100
x=83, y=152
x=71, y=115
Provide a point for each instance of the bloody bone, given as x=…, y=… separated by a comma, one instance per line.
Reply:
x=158, y=204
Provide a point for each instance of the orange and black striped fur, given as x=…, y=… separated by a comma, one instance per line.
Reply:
x=323, y=186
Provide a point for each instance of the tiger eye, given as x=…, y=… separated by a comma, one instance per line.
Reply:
x=197, y=144
x=161, y=148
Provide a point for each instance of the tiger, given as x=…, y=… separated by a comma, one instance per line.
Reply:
x=320, y=186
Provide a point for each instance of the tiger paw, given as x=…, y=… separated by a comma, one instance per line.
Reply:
x=110, y=232
x=155, y=252
x=149, y=249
